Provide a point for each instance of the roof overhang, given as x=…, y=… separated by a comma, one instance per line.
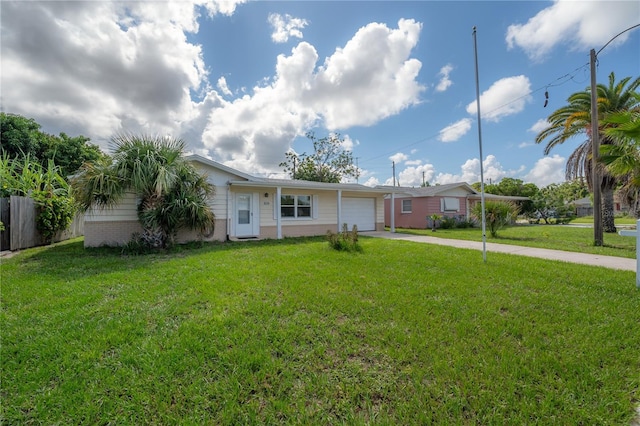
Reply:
x=303, y=184
x=498, y=197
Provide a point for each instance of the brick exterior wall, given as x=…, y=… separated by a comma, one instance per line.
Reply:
x=111, y=233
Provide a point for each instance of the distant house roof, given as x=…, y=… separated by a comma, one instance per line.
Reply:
x=432, y=191
x=478, y=196
x=583, y=202
x=427, y=191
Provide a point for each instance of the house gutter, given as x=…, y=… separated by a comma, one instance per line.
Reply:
x=228, y=222
x=278, y=215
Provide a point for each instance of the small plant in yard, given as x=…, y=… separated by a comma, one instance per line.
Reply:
x=345, y=240
x=498, y=215
x=434, y=219
x=141, y=243
x=448, y=222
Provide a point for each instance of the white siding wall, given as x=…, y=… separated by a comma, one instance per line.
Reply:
x=327, y=206
x=123, y=211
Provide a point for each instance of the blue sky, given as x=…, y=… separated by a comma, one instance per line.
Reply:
x=243, y=82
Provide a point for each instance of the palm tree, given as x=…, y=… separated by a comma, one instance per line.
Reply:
x=574, y=119
x=172, y=193
x=622, y=158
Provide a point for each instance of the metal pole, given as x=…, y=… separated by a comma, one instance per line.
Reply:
x=595, y=153
x=484, y=218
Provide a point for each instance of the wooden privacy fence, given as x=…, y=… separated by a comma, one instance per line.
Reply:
x=19, y=217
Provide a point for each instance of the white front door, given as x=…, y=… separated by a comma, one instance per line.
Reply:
x=244, y=215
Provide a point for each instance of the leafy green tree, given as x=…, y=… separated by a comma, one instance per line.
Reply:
x=23, y=137
x=516, y=188
x=329, y=162
x=19, y=135
x=172, y=193
x=498, y=215
x=69, y=153
x=575, y=119
x=553, y=201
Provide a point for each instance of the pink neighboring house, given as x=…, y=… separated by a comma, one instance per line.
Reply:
x=412, y=206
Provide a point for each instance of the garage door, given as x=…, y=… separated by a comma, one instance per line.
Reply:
x=360, y=212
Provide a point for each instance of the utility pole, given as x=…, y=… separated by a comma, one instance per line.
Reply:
x=393, y=163
x=484, y=216
x=598, y=236
x=423, y=182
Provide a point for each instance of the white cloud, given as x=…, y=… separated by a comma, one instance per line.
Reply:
x=505, y=97
x=97, y=68
x=222, y=85
x=579, y=25
x=445, y=82
x=455, y=131
x=286, y=26
x=412, y=176
x=372, y=77
x=348, y=143
x=525, y=144
x=470, y=172
x=372, y=181
x=547, y=170
x=413, y=162
x=398, y=157
x=539, y=125
x=366, y=81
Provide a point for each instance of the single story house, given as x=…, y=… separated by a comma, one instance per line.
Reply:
x=249, y=207
x=584, y=206
x=412, y=206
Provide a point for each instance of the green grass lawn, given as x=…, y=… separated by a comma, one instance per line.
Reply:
x=619, y=220
x=292, y=332
x=557, y=237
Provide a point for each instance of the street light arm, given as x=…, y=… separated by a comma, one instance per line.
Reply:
x=616, y=36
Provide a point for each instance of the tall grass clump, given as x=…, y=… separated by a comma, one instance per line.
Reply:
x=345, y=240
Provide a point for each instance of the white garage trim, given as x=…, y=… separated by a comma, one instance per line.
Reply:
x=360, y=212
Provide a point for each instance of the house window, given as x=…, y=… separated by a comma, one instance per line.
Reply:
x=450, y=204
x=293, y=206
x=406, y=206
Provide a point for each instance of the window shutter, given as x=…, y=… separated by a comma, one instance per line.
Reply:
x=314, y=207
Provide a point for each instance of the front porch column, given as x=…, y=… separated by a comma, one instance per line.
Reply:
x=392, y=212
x=278, y=212
x=339, y=210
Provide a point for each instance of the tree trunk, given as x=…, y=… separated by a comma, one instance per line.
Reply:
x=633, y=200
x=608, y=223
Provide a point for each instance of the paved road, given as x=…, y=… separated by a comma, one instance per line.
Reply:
x=565, y=256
